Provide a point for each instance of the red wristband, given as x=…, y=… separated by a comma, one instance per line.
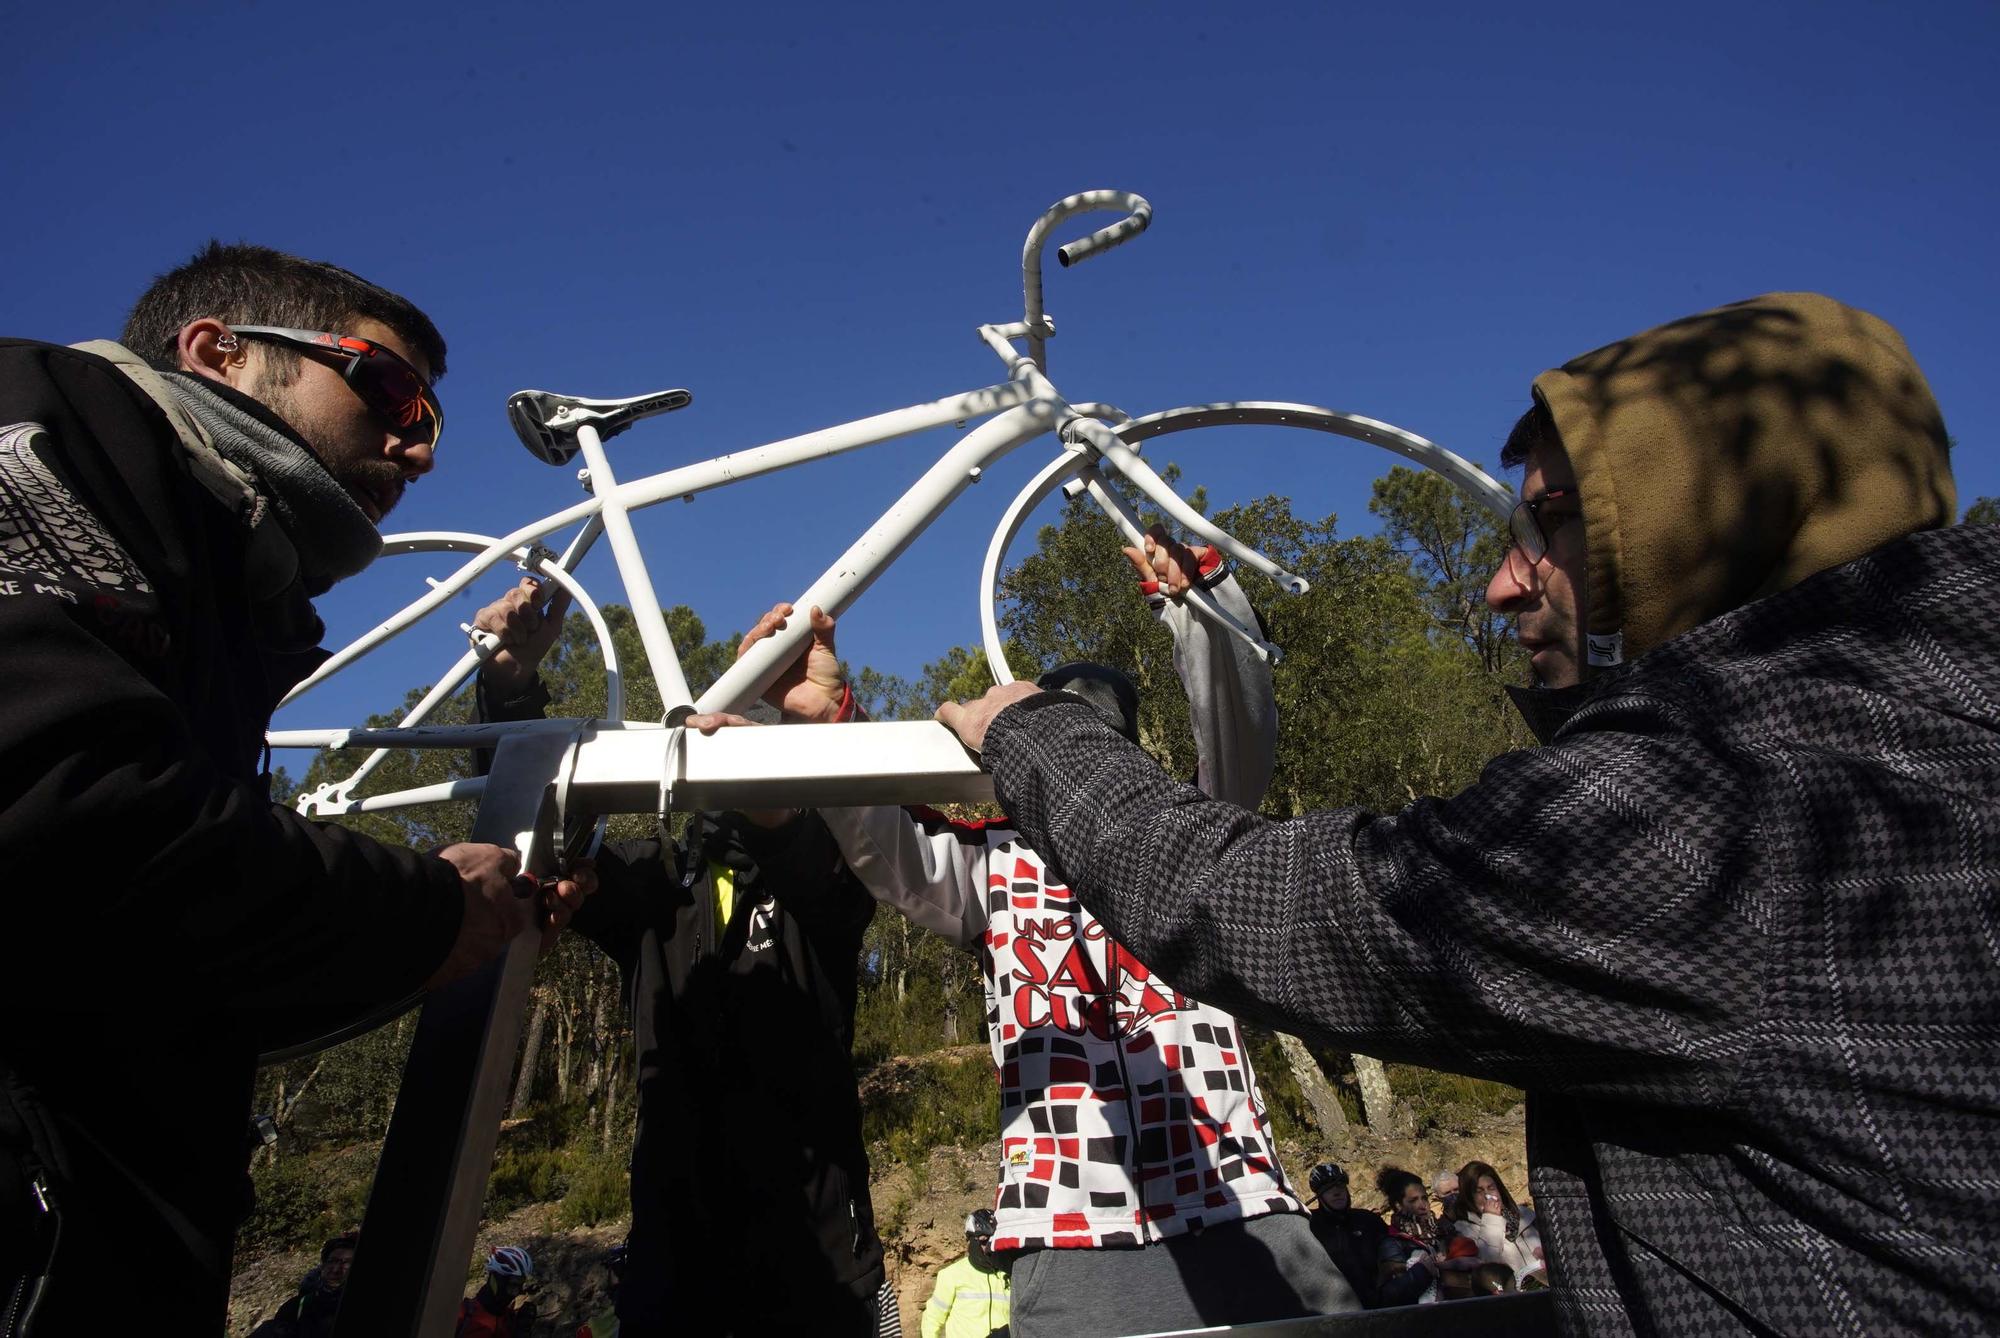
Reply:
x=846, y=711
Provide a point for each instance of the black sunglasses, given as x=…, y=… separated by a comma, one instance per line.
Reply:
x=1525, y=523
x=386, y=384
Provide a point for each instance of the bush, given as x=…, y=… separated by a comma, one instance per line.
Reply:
x=1448, y=1102
x=599, y=1190
x=944, y=1102
x=304, y=1198
x=526, y=1175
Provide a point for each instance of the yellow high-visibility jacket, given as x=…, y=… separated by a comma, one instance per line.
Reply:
x=967, y=1302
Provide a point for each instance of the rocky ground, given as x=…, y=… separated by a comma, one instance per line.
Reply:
x=920, y=1210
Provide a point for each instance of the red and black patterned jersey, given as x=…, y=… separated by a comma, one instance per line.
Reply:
x=1128, y=1111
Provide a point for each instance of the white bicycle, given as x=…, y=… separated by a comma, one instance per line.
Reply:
x=551, y=780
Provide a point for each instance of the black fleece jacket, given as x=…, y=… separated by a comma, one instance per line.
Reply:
x=180, y=921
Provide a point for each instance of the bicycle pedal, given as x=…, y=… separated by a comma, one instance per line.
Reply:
x=547, y=423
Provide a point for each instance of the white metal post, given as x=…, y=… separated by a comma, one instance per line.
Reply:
x=675, y=698
x=856, y=569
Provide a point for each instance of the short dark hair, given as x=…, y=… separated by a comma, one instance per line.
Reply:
x=1535, y=428
x=345, y=1241
x=243, y=284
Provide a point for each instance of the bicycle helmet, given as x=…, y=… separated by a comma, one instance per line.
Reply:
x=980, y=1222
x=509, y=1261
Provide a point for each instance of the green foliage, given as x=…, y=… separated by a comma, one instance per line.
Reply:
x=1983, y=511
x=304, y=1200
x=600, y=1190
x=951, y=1100
x=1448, y=1102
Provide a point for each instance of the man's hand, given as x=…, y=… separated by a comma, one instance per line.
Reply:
x=1165, y=566
x=969, y=720
x=714, y=720
x=812, y=687
x=501, y=903
x=527, y=619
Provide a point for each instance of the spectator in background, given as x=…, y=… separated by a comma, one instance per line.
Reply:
x=1408, y=1266
x=974, y=1294
x=604, y=1324
x=310, y=1314
x=1444, y=1192
x=1487, y=1215
x=494, y=1310
x=1352, y=1238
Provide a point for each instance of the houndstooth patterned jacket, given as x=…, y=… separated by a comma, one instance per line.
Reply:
x=1736, y=930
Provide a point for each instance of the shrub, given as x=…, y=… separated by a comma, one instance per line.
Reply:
x=599, y=1190
x=947, y=1101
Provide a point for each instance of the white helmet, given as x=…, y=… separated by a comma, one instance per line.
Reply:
x=509, y=1261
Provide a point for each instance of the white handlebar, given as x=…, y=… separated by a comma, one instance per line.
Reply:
x=1138, y=214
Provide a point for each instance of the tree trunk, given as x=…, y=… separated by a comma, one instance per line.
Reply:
x=531, y=1055
x=600, y=1036
x=1332, y=1120
x=565, y=1031
x=1377, y=1101
x=946, y=970
x=610, y=1099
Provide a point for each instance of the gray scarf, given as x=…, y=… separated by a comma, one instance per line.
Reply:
x=334, y=537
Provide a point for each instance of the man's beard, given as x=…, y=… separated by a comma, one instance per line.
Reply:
x=379, y=479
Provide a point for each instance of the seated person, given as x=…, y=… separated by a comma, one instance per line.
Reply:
x=1486, y=1215
x=310, y=1314
x=1408, y=1261
x=494, y=1311
x=1352, y=1237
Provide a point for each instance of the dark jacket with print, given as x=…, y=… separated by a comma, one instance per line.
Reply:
x=750, y=1202
x=181, y=922
x=1734, y=928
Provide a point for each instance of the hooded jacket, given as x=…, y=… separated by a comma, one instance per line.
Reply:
x=1734, y=928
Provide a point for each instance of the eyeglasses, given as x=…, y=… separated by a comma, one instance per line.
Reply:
x=389, y=386
x=1525, y=522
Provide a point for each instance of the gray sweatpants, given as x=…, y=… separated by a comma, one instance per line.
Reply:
x=1269, y=1267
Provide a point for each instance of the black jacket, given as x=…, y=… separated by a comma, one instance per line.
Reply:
x=181, y=922
x=1734, y=931
x=750, y=1205
x=1353, y=1239
x=749, y=1178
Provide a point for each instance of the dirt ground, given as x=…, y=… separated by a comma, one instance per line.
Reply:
x=921, y=1231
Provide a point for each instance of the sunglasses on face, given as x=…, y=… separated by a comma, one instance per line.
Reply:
x=1525, y=523
x=390, y=387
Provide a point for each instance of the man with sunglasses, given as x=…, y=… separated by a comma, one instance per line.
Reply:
x=169, y=508
x=1733, y=926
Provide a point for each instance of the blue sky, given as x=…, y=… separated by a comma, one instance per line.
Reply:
x=800, y=212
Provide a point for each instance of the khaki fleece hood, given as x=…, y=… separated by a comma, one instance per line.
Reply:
x=1729, y=455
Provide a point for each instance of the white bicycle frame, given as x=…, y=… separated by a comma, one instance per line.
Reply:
x=1097, y=440
x=548, y=774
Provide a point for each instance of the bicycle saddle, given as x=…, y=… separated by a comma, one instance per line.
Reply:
x=547, y=422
